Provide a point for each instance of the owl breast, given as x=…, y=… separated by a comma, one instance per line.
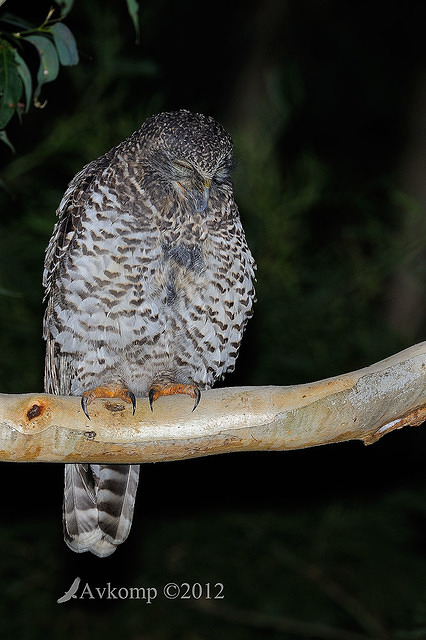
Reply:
x=144, y=298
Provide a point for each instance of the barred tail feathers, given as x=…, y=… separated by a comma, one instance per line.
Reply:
x=98, y=506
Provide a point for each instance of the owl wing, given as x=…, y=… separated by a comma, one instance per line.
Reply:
x=98, y=499
x=70, y=213
x=231, y=294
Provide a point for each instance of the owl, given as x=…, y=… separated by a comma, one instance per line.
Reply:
x=149, y=286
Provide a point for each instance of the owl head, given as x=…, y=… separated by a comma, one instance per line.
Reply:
x=188, y=151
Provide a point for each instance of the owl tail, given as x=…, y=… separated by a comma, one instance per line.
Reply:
x=98, y=506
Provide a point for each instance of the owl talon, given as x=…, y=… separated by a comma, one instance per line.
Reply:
x=107, y=391
x=158, y=390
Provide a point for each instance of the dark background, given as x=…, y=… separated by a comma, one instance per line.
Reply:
x=325, y=102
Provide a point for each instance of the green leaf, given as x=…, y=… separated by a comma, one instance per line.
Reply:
x=17, y=21
x=65, y=44
x=49, y=63
x=25, y=75
x=133, y=8
x=65, y=6
x=5, y=140
x=10, y=83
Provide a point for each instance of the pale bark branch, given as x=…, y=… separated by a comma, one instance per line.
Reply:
x=361, y=405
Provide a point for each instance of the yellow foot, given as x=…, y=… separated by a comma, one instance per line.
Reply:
x=107, y=391
x=171, y=389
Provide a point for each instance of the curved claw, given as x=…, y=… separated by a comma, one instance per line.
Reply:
x=151, y=397
x=133, y=400
x=197, y=398
x=84, y=403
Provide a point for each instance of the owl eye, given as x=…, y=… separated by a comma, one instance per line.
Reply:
x=182, y=167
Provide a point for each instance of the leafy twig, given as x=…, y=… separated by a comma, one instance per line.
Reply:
x=55, y=45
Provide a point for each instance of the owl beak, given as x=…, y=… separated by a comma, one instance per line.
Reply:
x=200, y=197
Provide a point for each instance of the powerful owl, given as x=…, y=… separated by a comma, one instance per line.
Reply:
x=149, y=286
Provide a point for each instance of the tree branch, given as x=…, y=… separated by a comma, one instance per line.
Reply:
x=362, y=405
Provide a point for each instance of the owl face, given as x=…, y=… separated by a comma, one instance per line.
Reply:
x=189, y=153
